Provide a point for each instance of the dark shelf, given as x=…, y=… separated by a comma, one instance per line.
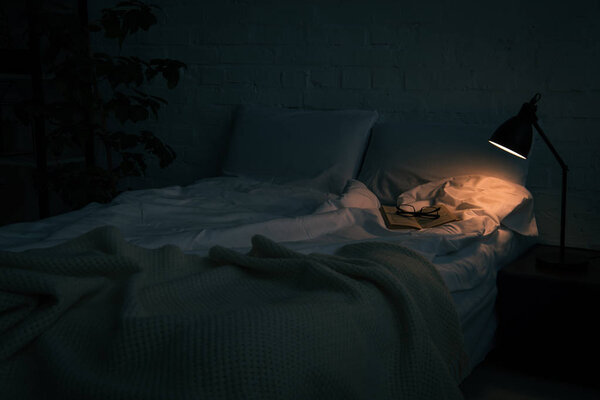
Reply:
x=547, y=318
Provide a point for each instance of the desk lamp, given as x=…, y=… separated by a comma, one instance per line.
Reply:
x=515, y=137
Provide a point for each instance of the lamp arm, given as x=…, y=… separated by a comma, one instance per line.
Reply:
x=552, y=149
x=563, y=202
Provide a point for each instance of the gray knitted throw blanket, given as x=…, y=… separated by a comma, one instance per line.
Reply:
x=99, y=318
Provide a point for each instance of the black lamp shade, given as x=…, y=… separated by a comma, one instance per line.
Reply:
x=514, y=136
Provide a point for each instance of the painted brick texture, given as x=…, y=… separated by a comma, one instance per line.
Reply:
x=433, y=60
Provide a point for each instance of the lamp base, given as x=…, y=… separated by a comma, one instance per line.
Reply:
x=572, y=261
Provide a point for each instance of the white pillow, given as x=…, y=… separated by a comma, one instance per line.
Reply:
x=402, y=155
x=283, y=145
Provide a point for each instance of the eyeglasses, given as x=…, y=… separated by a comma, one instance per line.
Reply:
x=407, y=210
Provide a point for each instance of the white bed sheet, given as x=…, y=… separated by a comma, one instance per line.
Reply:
x=496, y=222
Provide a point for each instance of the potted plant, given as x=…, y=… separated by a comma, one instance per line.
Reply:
x=96, y=101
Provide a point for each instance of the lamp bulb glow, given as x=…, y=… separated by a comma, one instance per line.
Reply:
x=514, y=153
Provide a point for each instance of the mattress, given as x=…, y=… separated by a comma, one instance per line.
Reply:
x=496, y=225
x=476, y=305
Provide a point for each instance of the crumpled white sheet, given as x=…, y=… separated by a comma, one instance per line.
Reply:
x=223, y=210
x=472, y=197
x=227, y=211
x=483, y=204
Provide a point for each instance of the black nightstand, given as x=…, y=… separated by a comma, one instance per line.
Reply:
x=549, y=320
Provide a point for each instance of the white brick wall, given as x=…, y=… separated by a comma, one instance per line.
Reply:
x=471, y=61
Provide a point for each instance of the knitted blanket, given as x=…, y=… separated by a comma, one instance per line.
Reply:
x=99, y=318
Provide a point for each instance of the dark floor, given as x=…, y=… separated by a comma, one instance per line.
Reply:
x=492, y=380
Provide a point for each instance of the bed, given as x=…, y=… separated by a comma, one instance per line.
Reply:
x=278, y=279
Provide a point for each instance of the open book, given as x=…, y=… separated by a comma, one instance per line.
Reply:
x=395, y=221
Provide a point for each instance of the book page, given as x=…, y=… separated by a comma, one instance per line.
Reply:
x=395, y=221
